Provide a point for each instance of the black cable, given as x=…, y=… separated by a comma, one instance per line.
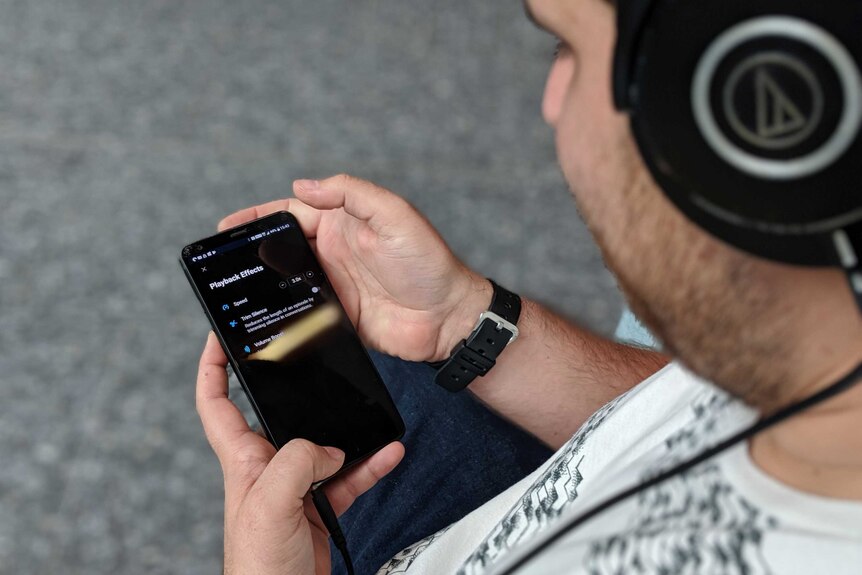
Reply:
x=330, y=521
x=841, y=385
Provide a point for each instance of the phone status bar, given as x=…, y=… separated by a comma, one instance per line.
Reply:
x=239, y=243
x=266, y=233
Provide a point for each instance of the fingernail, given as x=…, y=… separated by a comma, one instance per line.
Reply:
x=308, y=184
x=334, y=452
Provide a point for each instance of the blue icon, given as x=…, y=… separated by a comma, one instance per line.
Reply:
x=233, y=323
x=225, y=307
x=247, y=349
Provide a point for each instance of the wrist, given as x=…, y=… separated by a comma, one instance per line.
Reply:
x=473, y=298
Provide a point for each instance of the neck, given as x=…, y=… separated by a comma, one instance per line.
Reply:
x=820, y=450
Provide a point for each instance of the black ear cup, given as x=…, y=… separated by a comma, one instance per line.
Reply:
x=748, y=114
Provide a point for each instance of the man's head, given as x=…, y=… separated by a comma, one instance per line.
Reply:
x=747, y=324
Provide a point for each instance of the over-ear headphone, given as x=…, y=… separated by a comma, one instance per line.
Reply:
x=748, y=115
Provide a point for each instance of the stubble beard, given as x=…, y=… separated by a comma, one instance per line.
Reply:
x=707, y=303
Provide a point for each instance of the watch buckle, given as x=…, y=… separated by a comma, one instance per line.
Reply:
x=502, y=324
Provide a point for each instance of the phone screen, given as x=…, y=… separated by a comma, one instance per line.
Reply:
x=293, y=347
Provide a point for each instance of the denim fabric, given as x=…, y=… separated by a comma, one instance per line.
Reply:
x=458, y=456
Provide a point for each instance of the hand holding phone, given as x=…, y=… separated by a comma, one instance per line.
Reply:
x=407, y=295
x=285, y=333
x=270, y=524
x=401, y=285
x=310, y=382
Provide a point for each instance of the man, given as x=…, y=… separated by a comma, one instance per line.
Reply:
x=763, y=334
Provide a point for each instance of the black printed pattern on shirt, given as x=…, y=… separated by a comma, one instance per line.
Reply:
x=552, y=492
x=695, y=522
x=697, y=436
x=405, y=558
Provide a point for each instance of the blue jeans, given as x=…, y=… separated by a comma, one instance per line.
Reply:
x=458, y=456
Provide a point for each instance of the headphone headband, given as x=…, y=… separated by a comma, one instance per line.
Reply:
x=631, y=15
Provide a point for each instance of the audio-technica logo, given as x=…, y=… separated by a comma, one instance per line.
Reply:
x=777, y=98
x=773, y=101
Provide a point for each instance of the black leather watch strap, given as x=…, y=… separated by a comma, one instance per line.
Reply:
x=477, y=354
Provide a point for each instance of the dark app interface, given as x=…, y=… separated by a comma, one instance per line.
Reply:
x=297, y=351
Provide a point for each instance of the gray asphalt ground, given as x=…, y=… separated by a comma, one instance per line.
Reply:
x=128, y=129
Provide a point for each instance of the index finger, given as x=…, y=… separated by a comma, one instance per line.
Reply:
x=222, y=420
x=308, y=217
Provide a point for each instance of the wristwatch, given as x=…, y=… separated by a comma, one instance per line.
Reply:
x=477, y=354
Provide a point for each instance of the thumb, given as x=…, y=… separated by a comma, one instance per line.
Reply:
x=360, y=198
x=289, y=475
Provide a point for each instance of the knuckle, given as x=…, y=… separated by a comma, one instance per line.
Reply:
x=215, y=445
x=244, y=471
x=345, y=179
x=401, y=205
x=300, y=450
x=200, y=409
x=375, y=473
x=200, y=405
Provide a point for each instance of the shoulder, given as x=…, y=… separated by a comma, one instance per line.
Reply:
x=664, y=403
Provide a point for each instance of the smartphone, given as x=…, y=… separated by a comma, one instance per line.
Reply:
x=289, y=341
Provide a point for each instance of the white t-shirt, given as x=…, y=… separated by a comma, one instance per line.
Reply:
x=723, y=516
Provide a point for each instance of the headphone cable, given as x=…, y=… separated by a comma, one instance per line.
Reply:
x=330, y=521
